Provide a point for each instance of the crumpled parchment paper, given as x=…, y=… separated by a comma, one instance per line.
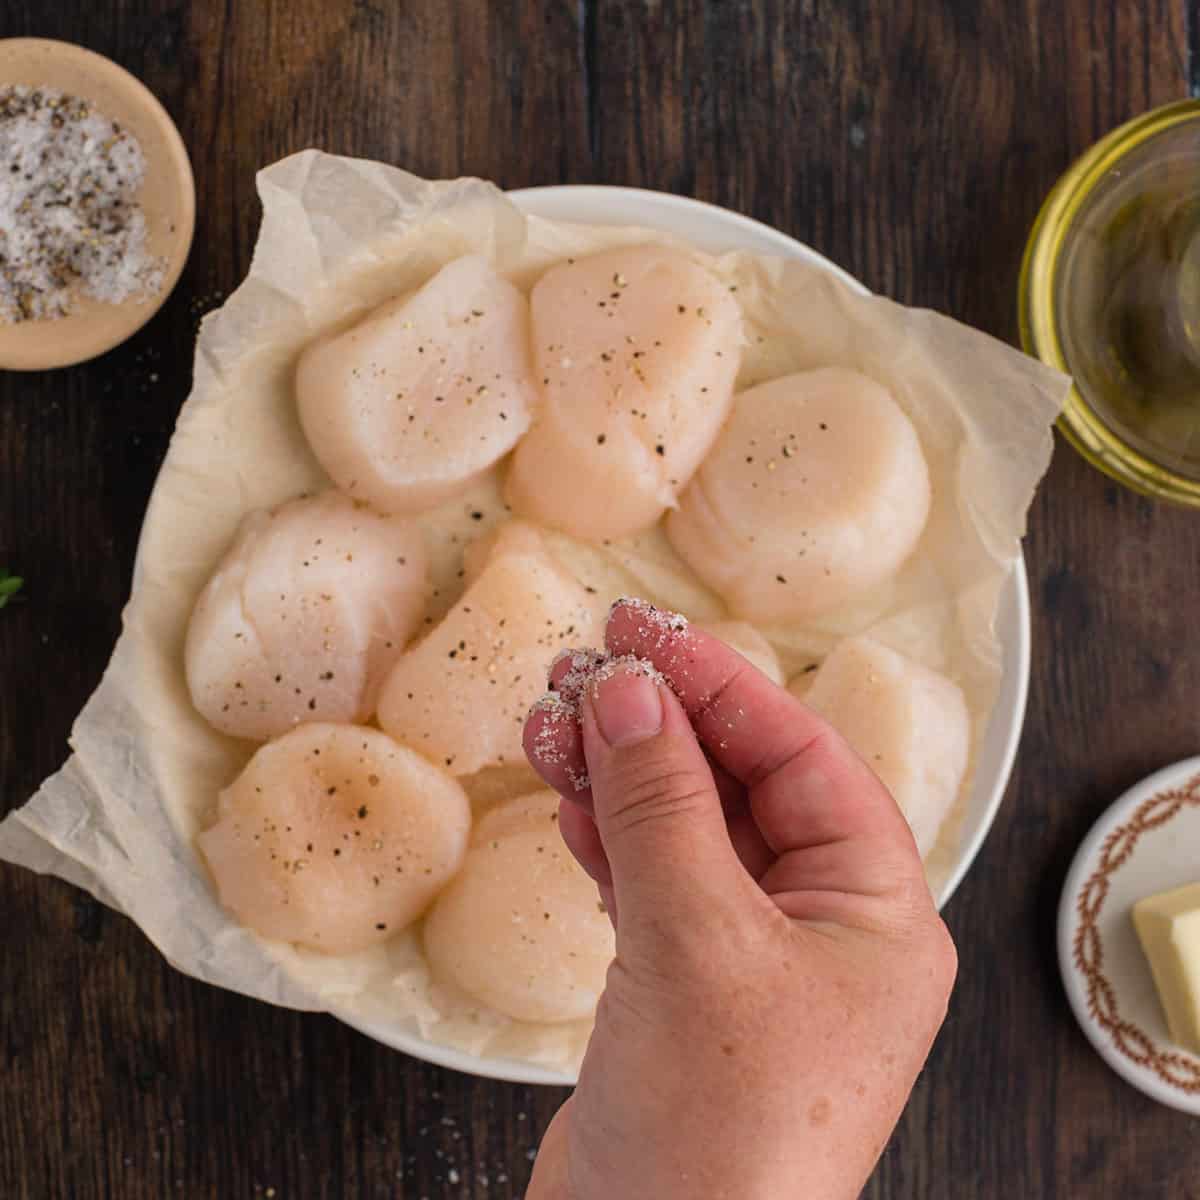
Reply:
x=339, y=236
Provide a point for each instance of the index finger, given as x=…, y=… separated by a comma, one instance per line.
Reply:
x=761, y=734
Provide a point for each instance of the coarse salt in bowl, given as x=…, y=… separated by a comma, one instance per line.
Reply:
x=127, y=158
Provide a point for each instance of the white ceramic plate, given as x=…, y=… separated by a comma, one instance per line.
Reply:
x=717, y=230
x=1144, y=844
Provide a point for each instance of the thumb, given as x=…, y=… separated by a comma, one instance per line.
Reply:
x=656, y=804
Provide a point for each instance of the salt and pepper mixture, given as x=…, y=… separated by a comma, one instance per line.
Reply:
x=69, y=213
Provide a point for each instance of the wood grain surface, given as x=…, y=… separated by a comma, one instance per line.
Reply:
x=909, y=140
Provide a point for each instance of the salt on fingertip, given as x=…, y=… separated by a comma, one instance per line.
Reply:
x=662, y=619
x=562, y=706
x=657, y=627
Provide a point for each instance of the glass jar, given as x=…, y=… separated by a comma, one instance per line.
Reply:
x=1110, y=294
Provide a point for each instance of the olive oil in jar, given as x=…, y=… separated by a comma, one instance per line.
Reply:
x=1127, y=295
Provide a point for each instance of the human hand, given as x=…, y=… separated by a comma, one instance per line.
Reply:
x=781, y=970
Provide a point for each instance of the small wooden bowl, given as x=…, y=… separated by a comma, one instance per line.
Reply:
x=167, y=198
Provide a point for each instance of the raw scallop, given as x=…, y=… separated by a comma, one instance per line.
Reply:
x=460, y=696
x=524, y=814
x=637, y=350
x=521, y=928
x=304, y=617
x=409, y=406
x=815, y=492
x=908, y=723
x=750, y=644
x=336, y=838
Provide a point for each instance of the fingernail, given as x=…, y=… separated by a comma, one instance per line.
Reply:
x=628, y=708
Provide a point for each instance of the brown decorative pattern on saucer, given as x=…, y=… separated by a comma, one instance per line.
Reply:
x=1180, y=1070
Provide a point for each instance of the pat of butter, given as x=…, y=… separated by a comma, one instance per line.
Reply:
x=1168, y=926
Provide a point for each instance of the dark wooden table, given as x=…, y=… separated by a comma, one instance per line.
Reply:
x=911, y=141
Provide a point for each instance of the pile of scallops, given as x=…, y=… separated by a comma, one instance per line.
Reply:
x=607, y=399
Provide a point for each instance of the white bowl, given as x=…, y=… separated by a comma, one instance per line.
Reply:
x=717, y=230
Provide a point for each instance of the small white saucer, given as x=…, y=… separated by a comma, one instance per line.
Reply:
x=1147, y=842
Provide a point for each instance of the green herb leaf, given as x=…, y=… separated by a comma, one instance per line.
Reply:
x=10, y=585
